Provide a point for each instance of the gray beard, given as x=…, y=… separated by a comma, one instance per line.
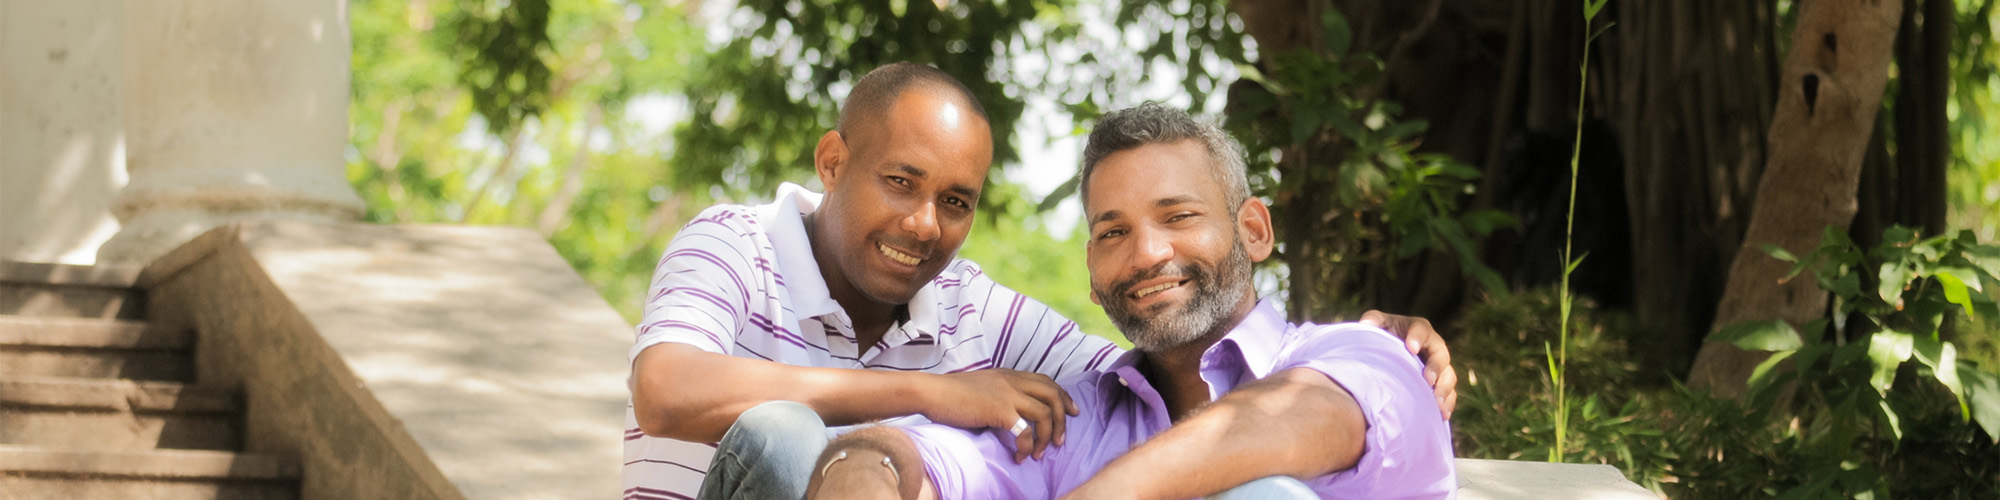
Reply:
x=1214, y=301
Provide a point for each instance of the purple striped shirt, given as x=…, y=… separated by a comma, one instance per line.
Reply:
x=741, y=280
x=1407, y=451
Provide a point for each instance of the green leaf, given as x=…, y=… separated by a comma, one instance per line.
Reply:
x=1890, y=421
x=1338, y=36
x=1780, y=253
x=1947, y=374
x=1590, y=8
x=1894, y=277
x=1758, y=378
x=1955, y=281
x=1847, y=286
x=1983, y=395
x=1888, y=349
x=1771, y=335
x=1305, y=122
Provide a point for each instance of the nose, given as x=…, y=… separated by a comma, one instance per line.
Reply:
x=1150, y=248
x=923, y=223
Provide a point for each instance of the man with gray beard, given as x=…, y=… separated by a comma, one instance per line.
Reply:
x=1219, y=396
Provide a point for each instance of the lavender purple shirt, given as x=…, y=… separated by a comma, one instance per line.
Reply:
x=1407, y=453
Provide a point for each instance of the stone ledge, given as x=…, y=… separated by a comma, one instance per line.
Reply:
x=436, y=362
x=1513, y=480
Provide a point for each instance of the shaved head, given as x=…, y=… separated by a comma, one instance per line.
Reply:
x=868, y=104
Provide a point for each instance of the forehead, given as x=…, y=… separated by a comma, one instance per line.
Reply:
x=934, y=131
x=1146, y=175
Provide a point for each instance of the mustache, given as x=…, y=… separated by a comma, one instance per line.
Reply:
x=1124, y=287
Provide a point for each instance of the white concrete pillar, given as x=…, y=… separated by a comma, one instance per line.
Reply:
x=234, y=109
x=61, y=153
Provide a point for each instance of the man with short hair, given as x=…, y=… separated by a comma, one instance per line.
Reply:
x=767, y=324
x=1219, y=395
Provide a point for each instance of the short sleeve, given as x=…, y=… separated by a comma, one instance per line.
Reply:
x=976, y=465
x=701, y=288
x=1408, y=451
x=1031, y=337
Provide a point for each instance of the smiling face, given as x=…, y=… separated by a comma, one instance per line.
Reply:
x=900, y=196
x=1169, y=258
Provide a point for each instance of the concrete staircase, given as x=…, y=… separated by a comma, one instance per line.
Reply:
x=94, y=404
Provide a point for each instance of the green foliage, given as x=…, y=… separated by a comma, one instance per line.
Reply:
x=583, y=172
x=1855, y=389
x=1683, y=443
x=502, y=62
x=1507, y=398
x=1974, y=175
x=776, y=85
x=1313, y=125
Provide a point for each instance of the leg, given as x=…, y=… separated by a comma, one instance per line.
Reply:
x=1274, y=487
x=768, y=453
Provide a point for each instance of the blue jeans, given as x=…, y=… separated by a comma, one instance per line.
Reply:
x=768, y=453
x=1279, y=487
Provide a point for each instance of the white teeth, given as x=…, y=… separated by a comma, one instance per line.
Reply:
x=1142, y=293
x=906, y=259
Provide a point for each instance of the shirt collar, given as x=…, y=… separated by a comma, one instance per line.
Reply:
x=793, y=246
x=783, y=220
x=1256, y=339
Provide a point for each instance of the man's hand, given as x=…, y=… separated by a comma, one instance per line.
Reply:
x=1424, y=342
x=999, y=398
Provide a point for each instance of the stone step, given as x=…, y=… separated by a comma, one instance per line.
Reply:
x=29, y=472
x=108, y=414
x=88, y=347
x=40, y=289
x=88, y=332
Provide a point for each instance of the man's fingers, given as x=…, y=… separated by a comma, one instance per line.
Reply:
x=1450, y=404
x=1372, y=318
x=1069, y=405
x=1446, y=391
x=1022, y=443
x=1045, y=434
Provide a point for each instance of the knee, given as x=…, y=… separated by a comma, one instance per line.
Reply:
x=777, y=422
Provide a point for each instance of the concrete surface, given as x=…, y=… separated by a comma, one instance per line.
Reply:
x=233, y=109
x=62, y=153
x=1514, y=480
x=408, y=361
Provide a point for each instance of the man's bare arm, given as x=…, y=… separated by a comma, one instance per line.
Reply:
x=1296, y=422
x=685, y=393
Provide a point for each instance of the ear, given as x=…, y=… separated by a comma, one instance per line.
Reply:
x=1253, y=225
x=829, y=158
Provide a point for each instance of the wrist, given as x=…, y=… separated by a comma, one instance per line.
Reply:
x=919, y=390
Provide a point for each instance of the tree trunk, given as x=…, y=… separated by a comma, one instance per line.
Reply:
x=1828, y=98
x=1693, y=82
x=1923, y=88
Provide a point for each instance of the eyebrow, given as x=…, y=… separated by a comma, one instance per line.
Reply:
x=960, y=189
x=1161, y=203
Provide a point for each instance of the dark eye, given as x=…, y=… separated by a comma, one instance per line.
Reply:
x=1179, y=217
x=899, y=181
x=1110, y=234
x=957, y=202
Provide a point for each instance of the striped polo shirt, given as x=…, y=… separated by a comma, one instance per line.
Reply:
x=741, y=280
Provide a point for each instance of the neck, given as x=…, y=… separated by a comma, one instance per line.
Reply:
x=871, y=317
x=1176, y=371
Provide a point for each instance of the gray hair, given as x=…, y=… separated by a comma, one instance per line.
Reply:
x=1153, y=123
